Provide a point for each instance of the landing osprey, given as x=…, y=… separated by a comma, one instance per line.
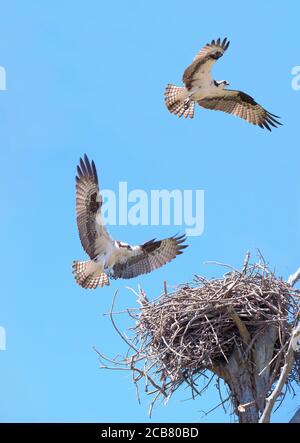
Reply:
x=208, y=93
x=108, y=257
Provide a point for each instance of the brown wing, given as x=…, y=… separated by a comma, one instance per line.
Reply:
x=242, y=105
x=93, y=235
x=149, y=256
x=203, y=62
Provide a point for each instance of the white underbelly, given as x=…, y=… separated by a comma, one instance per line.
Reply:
x=118, y=255
x=110, y=260
x=203, y=91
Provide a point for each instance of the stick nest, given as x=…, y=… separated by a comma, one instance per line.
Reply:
x=182, y=334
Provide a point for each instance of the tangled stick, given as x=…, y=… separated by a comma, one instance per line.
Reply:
x=238, y=326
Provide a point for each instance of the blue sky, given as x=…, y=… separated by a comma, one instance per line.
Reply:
x=89, y=77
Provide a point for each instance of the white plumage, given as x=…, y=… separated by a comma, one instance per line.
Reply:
x=109, y=257
x=199, y=87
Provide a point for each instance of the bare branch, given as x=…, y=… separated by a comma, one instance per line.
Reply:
x=238, y=327
x=294, y=278
x=289, y=360
x=114, y=324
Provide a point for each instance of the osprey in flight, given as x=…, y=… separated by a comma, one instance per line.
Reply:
x=208, y=93
x=108, y=257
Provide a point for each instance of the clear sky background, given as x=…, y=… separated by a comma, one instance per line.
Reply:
x=89, y=77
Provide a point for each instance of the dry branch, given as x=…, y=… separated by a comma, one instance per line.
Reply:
x=238, y=326
x=290, y=356
x=294, y=278
x=286, y=369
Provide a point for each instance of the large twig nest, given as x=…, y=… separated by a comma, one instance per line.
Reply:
x=197, y=327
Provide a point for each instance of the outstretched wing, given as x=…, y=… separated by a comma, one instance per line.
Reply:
x=93, y=235
x=242, y=105
x=149, y=256
x=200, y=69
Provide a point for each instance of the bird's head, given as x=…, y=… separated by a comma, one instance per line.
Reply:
x=221, y=83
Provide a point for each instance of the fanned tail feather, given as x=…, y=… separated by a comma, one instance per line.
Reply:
x=177, y=102
x=86, y=278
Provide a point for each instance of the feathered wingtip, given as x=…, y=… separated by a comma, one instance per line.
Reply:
x=179, y=240
x=86, y=169
x=224, y=44
x=270, y=119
